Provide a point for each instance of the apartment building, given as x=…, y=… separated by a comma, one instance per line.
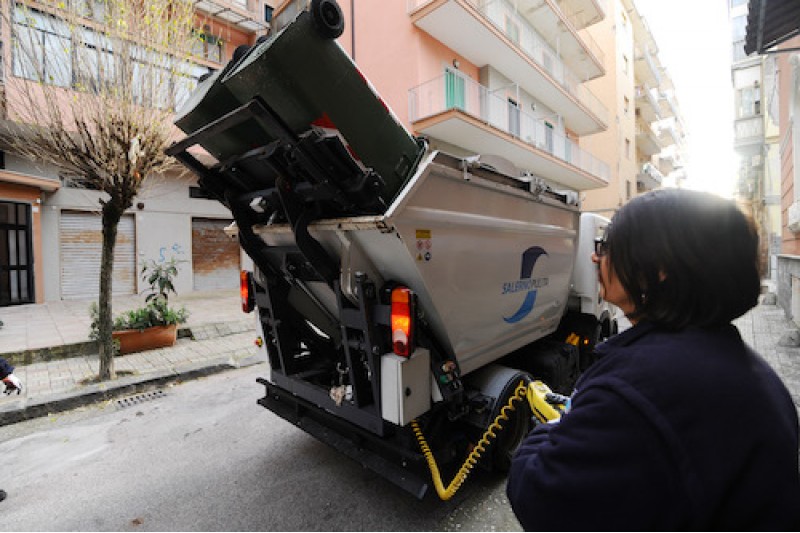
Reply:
x=756, y=139
x=568, y=91
x=645, y=139
x=50, y=230
x=772, y=37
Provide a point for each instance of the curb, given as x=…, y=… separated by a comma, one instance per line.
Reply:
x=124, y=386
x=80, y=349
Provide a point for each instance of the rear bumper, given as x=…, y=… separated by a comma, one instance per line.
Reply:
x=393, y=457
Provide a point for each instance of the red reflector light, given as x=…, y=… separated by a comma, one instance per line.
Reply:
x=403, y=321
x=246, y=291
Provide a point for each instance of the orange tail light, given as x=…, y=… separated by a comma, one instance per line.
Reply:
x=246, y=291
x=403, y=321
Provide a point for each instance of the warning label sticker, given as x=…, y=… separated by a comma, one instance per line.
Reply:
x=424, y=245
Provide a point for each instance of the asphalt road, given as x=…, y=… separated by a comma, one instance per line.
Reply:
x=204, y=456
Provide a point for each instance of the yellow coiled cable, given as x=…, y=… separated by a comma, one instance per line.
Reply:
x=472, y=459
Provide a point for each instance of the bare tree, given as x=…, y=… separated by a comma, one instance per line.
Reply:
x=93, y=89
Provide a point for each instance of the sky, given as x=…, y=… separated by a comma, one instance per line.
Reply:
x=694, y=41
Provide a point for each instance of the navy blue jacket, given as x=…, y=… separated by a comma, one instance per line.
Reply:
x=5, y=368
x=686, y=430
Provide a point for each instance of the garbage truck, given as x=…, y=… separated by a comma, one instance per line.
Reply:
x=405, y=297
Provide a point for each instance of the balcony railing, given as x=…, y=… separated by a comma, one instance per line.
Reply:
x=652, y=66
x=505, y=18
x=454, y=91
x=642, y=91
x=749, y=130
x=578, y=17
x=238, y=12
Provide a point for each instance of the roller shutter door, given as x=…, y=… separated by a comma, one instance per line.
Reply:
x=215, y=256
x=81, y=249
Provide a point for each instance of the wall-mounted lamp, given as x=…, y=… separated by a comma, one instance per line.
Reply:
x=456, y=63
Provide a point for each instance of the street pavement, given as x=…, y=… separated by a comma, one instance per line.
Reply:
x=221, y=337
x=53, y=341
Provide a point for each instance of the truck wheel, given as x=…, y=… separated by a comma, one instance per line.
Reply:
x=501, y=382
x=328, y=18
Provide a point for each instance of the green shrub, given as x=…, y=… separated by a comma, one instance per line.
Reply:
x=156, y=311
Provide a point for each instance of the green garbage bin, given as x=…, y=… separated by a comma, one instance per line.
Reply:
x=308, y=80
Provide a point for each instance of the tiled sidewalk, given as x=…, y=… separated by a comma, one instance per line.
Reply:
x=222, y=337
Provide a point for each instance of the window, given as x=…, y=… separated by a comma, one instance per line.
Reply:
x=513, y=117
x=626, y=103
x=628, y=148
x=206, y=45
x=749, y=101
x=94, y=62
x=45, y=49
x=738, y=28
x=628, y=189
x=267, y=13
x=41, y=48
x=624, y=64
x=198, y=192
x=512, y=29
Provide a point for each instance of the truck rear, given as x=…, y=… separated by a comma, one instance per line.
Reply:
x=399, y=291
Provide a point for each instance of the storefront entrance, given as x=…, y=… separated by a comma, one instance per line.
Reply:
x=16, y=254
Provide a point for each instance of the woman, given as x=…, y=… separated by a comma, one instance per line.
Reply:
x=678, y=425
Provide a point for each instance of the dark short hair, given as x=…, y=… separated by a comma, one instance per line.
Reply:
x=685, y=258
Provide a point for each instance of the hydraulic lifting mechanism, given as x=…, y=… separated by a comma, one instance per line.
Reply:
x=335, y=328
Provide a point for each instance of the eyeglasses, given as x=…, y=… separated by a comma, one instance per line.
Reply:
x=600, y=246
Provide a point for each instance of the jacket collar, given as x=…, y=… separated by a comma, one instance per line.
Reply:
x=627, y=337
x=642, y=328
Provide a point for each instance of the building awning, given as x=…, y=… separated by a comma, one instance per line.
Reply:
x=769, y=23
x=28, y=180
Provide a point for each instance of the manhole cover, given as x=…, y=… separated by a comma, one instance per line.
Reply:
x=140, y=398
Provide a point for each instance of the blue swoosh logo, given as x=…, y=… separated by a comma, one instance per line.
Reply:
x=525, y=308
x=529, y=258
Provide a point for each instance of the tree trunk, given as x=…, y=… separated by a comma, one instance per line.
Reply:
x=111, y=215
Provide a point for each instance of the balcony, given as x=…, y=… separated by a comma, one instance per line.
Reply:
x=668, y=135
x=581, y=13
x=668, y=162
x=646, y=140
x=649, y=178
x=496, y=34
x=459, y=111
x=668, y=106
x=237, y=12
x=749, y=133
x=647, y=104
x=646, y=67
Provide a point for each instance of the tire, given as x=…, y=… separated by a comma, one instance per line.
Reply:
x=328, y=18
x=500, y=382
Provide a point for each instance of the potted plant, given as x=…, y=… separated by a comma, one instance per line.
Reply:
x=155, y=325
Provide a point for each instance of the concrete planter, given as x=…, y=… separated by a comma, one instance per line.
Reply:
x=134, y=340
